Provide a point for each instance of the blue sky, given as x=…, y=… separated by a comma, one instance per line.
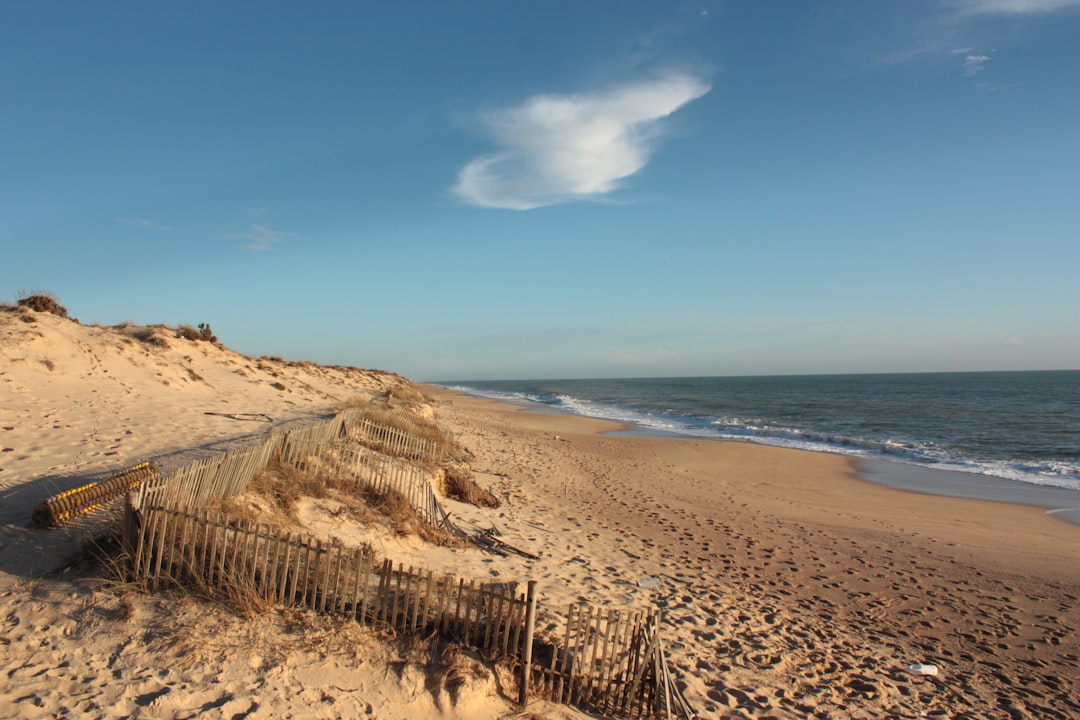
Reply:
x=488, y=190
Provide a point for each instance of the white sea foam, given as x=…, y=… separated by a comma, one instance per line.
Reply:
x=654, y=413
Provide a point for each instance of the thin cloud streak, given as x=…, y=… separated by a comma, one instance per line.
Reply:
x=258, y=238
x=975, y=64
x=1011, y=7
x=560, y=148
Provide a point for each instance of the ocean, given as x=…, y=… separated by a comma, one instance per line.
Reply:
x=1020, y=426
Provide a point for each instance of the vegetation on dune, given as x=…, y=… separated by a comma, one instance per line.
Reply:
x=459, y=484
x=203, y=333
x=156, y=335
x=42, y=301
x=283, y=485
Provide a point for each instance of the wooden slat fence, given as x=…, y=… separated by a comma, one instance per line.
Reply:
x=345, y=462
x=208, y=480
x=204, y=549
x=313, y=434
x=320, y=448
x=393, y=440
x=611, y=661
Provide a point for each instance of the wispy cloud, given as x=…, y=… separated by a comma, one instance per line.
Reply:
x=975, y=64
x=1010, y=7
x=559, y=148
x=144, y=224
x=258, y=237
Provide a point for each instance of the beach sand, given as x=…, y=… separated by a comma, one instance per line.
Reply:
x=790, y=589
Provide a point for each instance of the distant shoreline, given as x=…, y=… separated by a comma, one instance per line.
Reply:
x=1062, y=503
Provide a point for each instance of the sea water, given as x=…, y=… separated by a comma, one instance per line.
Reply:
x=1021, y=426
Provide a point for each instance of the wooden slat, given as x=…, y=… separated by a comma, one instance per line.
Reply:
x=340, y=568
x=289, y=571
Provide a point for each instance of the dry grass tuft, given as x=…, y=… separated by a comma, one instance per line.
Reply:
x=155, y=335
x=458, y=484
x=42, y=301
x=358, y=401
x=408, y=393
x=284, y=484
x=238, y=592
x=396, y=508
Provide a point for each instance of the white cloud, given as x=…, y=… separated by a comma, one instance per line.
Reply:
x=259, y=237
x=558, y=148
x=975, y=64
x=1011, y=7
x=144, y=224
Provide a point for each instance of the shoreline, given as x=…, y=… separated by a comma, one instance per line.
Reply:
x=790, y=586
x=1059, y=502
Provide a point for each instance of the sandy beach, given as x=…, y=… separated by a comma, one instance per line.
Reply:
x=790, y=588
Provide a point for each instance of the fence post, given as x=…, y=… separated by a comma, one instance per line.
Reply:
x=132, y=544
x=527, y=643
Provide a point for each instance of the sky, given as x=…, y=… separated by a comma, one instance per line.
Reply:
x=500, y=190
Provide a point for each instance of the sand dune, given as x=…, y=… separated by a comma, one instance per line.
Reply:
x=789, y=588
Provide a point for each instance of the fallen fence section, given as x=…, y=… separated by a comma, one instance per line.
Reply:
x=62, y=507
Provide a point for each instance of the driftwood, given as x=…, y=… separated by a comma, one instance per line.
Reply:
x=486, y=539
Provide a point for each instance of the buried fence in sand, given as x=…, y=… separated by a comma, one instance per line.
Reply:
x=606, y=660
